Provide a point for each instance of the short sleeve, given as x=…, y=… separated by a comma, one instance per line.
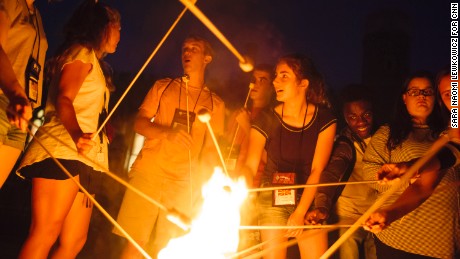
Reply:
x=325, y=118
x=263, y=122
x=80, y=53
x=152, y=99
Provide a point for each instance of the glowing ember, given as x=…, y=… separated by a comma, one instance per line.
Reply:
x=214, y=233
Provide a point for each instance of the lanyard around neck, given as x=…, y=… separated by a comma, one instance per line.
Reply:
x=301, y=137
x=36, y=26
x=197, y=99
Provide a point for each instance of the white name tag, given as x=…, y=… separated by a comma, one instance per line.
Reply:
x=284, y=197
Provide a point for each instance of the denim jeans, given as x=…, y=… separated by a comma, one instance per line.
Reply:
x=360, y=241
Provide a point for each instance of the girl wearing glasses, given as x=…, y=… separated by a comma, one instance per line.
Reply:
x=416, y=125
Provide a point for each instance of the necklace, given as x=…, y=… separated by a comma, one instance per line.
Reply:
x=197, y=99
x=36, y=26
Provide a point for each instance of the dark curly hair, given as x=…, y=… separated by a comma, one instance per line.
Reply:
x=89, y=27
x=304, y=68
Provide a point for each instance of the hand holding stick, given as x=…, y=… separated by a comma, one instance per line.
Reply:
x=251, y=86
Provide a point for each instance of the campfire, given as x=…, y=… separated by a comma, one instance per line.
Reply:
x=214, y=233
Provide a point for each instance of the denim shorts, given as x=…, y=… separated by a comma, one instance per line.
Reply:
x=9, y=135
x=272, y=215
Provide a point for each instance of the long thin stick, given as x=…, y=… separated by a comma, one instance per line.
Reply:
x=249, y=249
x=310, y=185
x=219, y=152
x=238, y=125
x=185, y=79
x=213, y=29
x=204, y=116
x=288, y=243
x=143, y=68
x=93, y=200
x=437, y=145
x=293, y=227
x=117, y=178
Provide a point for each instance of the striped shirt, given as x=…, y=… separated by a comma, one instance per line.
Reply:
x=432, y=229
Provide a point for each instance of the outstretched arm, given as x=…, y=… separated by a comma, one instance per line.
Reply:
x=430, y=176
x=341, y=160
x=409, y=200
x=322, y=153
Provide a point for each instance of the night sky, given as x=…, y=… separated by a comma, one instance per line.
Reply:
x=331, y=32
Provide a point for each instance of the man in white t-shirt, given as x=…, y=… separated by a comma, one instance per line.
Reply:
x=167, y=168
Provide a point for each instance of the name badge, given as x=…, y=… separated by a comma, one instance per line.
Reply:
x=284, y=197
x=180, y=120
x=32, y=76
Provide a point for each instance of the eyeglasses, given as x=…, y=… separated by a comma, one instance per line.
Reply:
x=417, y=92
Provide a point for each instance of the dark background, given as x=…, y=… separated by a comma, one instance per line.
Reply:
x=364, y=41
x=332, y=32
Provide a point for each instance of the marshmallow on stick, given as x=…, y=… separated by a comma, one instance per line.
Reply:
x=204, y=116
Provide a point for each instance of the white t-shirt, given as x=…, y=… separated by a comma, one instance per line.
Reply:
x=88, y=104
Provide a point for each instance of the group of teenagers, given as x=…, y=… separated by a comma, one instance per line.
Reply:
x=419, y=220
x=286, y=135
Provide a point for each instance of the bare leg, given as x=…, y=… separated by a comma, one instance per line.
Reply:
x=74, y=230
x=9, y=156
x=314, y=246
x=51, y=202
x=276, y=238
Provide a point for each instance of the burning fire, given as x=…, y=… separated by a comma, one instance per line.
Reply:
x=214, y=232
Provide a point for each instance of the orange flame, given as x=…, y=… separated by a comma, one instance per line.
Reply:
x=214, y=232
